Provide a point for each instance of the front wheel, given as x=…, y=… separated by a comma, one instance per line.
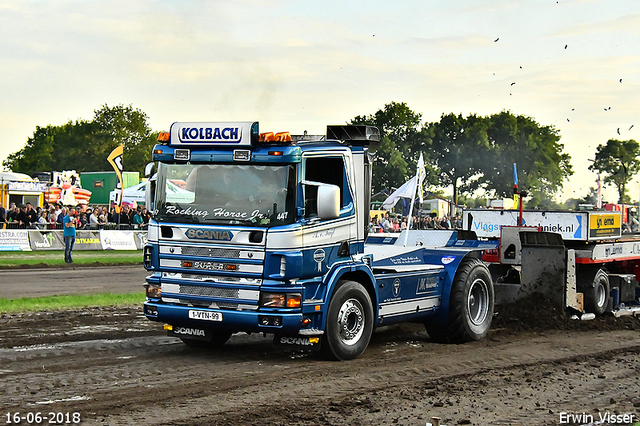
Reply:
x=349, y=322
x=470, y=305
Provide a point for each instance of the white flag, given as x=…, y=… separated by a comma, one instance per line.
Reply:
x=405, y=191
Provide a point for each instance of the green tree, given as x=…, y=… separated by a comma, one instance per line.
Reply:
x=458, y=146
x=85, y=145
x=127, y=126
x=64, y=147
x=542, y=165
x=541, y=201
x=472, y=203
x=619, y=162
x=402, y=139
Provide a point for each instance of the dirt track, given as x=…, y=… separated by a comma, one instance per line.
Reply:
x=49, y=281
x=114, y=367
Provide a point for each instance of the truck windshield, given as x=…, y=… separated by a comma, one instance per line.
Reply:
x=250, y=195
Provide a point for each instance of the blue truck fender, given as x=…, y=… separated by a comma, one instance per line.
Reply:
x=451, y=260
x=349, y=270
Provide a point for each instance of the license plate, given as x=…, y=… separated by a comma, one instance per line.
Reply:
x=205, y=315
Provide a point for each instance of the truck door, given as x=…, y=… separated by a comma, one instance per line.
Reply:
x=326, y=241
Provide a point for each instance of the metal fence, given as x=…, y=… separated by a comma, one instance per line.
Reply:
x=59, y=227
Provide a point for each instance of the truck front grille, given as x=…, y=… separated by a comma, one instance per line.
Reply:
x=209, y=277
x=205, y=291
x=211, y=252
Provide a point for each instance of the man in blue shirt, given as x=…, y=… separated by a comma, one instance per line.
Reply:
x=68, y=233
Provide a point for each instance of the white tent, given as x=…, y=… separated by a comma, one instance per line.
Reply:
x=136, y=194
x=129, y=195
x=15, y=177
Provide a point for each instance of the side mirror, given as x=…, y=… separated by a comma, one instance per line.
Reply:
x=149, y=193
x=328, y=201
x=149, y=170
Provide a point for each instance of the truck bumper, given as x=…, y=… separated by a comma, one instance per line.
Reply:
x=235, y=321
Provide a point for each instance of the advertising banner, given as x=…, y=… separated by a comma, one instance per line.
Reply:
x=141, y=239
x=118, y=240
x=486, y=223
x=43, y=239
x=606, y=224
x=571, y=225
x=14, y=240
x=46, y=240
x=87, y=240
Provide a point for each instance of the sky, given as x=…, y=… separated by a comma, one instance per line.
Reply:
x=301, y=65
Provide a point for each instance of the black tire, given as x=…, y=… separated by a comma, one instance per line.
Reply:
x=219, y=339
x=596, y=294
x=470, y=305
x=349, y=322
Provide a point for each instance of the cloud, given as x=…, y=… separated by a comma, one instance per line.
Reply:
x=627, y=24
x=302, y=65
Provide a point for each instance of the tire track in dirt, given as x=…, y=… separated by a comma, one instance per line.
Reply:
x=116, y=368
x=191, y=385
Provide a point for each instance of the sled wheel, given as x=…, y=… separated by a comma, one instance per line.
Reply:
x=349, y=322
x=219, y=339
x=470, y=305
x=596, y=295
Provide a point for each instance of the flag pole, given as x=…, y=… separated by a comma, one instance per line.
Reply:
x=419, y=178
x=517, y=193
x=410, y=219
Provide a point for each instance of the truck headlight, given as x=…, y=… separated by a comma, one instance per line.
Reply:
x=280, y=300
x=153, y=291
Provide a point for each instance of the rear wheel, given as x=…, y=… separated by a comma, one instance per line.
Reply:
x=596, y=294
x=470, y=305
x=349, y=322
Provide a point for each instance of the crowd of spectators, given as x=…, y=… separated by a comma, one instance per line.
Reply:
x=398, y=223
x=51, y=216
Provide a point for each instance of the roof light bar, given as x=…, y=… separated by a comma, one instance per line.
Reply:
x=266, y=137
x=271, y=137
x=283, y=137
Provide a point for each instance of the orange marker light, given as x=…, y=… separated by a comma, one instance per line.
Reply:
x=164, y=136
x=293, y=301
x=270, y=137
x=266, y=137
x=283, y=137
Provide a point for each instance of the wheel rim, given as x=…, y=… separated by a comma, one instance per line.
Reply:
x=478, y=302
x=601, y=296
x=351, y=321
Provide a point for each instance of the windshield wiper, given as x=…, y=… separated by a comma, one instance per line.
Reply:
x=219, y=221
x=236, y=221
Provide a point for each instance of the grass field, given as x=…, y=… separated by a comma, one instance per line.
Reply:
x=12, y=259
x=26, y=259
x=59, y=303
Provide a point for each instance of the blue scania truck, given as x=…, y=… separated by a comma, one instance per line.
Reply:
x=265, y=233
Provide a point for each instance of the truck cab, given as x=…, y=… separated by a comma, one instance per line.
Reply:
x=267, y=235
x=262, y=218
